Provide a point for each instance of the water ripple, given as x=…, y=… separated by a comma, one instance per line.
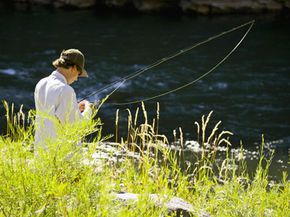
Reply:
x=8, y=71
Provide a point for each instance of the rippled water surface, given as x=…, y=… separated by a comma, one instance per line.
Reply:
x=249, y=92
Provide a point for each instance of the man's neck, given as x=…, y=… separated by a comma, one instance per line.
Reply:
x=64, y=72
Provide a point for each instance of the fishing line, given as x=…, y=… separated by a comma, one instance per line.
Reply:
x=195, y=80
x=165, y=59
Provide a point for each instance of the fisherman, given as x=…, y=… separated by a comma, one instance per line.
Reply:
x=56, y=100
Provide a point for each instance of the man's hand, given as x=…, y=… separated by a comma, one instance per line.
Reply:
x=83, y=105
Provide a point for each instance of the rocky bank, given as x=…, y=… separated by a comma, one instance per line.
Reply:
x=194, y=6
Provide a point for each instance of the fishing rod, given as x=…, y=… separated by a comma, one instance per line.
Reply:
x=165, y=59
x=193, y=81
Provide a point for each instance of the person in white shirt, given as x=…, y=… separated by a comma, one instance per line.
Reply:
x=56, y=100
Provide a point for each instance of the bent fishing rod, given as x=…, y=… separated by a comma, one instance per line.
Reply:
x=165, y=59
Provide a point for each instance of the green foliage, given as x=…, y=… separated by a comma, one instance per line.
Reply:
x=64, y=179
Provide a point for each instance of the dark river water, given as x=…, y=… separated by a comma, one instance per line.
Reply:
x=249, y=92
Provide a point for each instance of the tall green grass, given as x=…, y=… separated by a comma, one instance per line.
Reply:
x=64, y=179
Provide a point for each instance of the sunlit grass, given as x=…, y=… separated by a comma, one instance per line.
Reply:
x=65, y=179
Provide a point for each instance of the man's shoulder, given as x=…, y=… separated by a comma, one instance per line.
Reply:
x=41, y=82
x=51, y=84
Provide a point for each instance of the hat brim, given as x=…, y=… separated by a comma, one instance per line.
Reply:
x=84, y=74
x=56, y=62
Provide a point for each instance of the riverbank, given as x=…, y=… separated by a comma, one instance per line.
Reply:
x=183, y=6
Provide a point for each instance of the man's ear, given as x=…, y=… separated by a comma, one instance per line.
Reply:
x=71, y=68
x=75, y=67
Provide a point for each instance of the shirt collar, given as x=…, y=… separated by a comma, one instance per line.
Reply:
x=59, y=76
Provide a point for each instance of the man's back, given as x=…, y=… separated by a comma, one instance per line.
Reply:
x=55, y=101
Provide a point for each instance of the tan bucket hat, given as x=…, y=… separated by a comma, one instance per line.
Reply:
x=72, y=56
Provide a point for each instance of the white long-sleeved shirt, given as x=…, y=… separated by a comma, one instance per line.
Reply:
x=55, y=100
